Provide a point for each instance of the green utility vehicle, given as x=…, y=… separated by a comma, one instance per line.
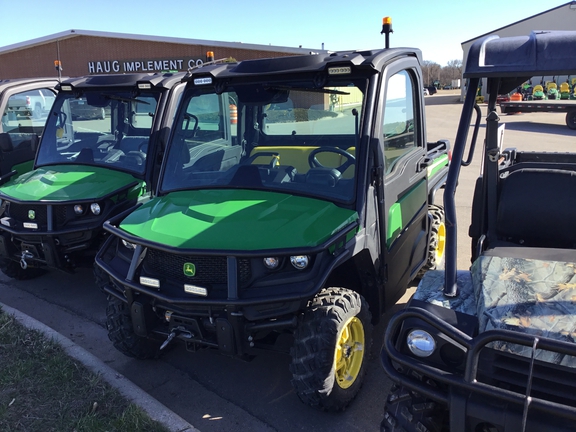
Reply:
x=97, y=157
x=24, y=105
x=492, y=348
x=295, y=197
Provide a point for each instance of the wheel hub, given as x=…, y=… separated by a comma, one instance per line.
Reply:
x=349, y=353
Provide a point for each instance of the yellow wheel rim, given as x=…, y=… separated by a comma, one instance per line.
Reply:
x=349, y=352
x=441, y=244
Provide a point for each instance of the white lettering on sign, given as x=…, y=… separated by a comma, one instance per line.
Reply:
x=103, y=67
x=194, y=63
x=120, y=66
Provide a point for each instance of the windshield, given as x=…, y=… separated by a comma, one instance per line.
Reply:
x=276, y=137
x=103, y=128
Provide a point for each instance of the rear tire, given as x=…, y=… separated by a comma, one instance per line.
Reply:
x=13, y=270
x=331, y=348
x=407, y=411
x=122, y=335
x=437, y=244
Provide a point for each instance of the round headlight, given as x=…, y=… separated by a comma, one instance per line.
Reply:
x=300, y=262
x=421, y=343
x=130, y=246
x=95, y=208
x=271, y=263
x=78, y=209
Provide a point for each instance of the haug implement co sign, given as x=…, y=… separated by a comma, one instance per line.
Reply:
x=121, y=66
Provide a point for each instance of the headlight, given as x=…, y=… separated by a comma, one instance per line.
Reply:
x=128, y=245
x=78, y=209
x=271, y=263
x=95, y=208
x=300, y=262
x=421, y=343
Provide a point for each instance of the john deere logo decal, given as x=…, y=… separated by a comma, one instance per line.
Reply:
x=31, y=214
x=189, y=269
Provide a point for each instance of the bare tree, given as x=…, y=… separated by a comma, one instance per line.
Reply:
x=430, y=72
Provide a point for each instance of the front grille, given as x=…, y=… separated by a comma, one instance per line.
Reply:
x=549, y=381
x=210, y=270
x=20, y=212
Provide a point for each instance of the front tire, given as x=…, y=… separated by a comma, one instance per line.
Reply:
x=122, y=335
x=331, y=348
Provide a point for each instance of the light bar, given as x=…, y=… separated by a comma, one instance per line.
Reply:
x=146, y=281
x=66, y=87
x=144, y=86
x=193, y=289
x=203, y=81
x=340, y=70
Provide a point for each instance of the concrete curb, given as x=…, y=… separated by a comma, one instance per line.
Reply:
x=155, y=410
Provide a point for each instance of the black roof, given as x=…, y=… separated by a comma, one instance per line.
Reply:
x=371, y=60
x=164, y=80
x=538, y=54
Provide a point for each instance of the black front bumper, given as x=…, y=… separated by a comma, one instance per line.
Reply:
x=528, y=396
x=236, y=306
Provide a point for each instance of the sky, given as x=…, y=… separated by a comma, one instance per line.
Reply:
x=436, y=27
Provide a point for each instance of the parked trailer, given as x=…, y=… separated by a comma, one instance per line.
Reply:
x=569, y=107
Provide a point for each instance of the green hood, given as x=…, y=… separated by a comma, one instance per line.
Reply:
x=233, y=219
x=66, y=183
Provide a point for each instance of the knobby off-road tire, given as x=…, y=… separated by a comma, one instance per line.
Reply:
x=437, y=245
x=331, y=348
x=407, y=411
x=13, y=270
x=122, y=335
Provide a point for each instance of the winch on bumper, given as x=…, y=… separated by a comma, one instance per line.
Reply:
x=208, y=299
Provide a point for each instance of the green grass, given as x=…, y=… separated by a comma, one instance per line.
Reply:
x=42, y=389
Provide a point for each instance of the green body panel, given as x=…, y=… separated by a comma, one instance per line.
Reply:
x=237, y=219
x=66, y=183
x=439, y=164
x=402, y=211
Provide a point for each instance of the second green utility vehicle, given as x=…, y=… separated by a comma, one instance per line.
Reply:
x=296, y=196
x=97, y=156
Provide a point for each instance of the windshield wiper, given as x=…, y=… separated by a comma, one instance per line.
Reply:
x=124, y=99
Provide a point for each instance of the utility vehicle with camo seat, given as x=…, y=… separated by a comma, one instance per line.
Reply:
x=296, y=196
x=492, y=348
x=87, y=169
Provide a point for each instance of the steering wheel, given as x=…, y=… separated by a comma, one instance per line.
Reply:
x=313, y=161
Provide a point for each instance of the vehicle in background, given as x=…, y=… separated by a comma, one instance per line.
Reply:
x=296, y=197
x=32, y=103
x=85, y=171
x=492, y=347
x=550, y=105
x=426, y=92
x=81, y=109
x=432, y=90
x=20, y=128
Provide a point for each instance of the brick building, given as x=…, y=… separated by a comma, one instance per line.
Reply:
x=83, y=52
